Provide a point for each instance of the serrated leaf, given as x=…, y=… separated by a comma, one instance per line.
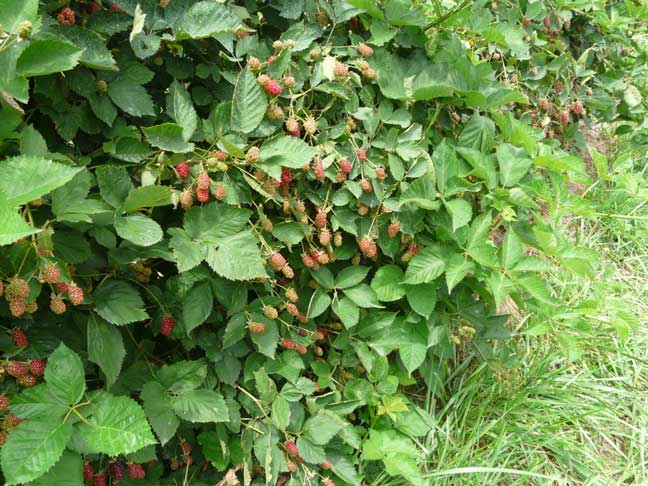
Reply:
x=514, y=164
x=181, y=109
x=95, y=52
x=363, y=296
x=44, y=57
x=310, y=452
x=350, y=276
x=387, y=283
x=130, y=97
x=197, y=306
x=266, y=342
x=461, y=212
x=12, y=226
x=512, y=250
x=200, y=406
x=26, y=178
x=114, y=184
x=37, y=401
x=215, y=221
x=138, y=229
x=237, y=257
x=280, y=413
x=105, y=348
x=187, y=253
x=426, y=265
x=117, y=426
x=147, y=197
x=422, y=298
x=14, y=12
x=290, y=232
x=68, y=471
x=347, y=311
x=168, y=136
x=285, y=151
x=321, y=428
x=205, y=19
x=249, y=103
x=33, y=448
x=157, y=405
x=235, y=331
x=64, y=375
x=119, y=303
x=182, y=376
x=456, y=269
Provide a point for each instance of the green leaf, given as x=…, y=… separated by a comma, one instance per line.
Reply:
x=13, y=12
x=157, y=405
x=117, y=426
x=321, y=428
x=387, y=283
x=280, y=413
x=249, y=103
x=514, y=164
x=105, y=348
x=343, y=468
x=26, y=178
x=65, y=376
x=351, y=276
x=200, y=406
x=68, y=471
x=235, y=331
x=119, y=303
x=33, y=448
x=318, y=303
x=285, y=151
x=32, y=142
x=310, y=452
x=426, y=265
x=37, y=401
x=266, y=342
x=290, y=232
x=213, y=222
x=456, y=269
x=363, y=296
x=512, y=250
x=12, y=226
x=422, y=298
x=461, y=212
x=347, y=311
x=44, y=57
x=114, y=184
x=215, y=449
x=138, y=229
x=182, y=375
x=130, y=97
x=237, y=257
x=181, y=109
x=187, y=253
x=197, y=306
x=168, y=136
x=95, y=52
x=205, y=19
x=147, y=197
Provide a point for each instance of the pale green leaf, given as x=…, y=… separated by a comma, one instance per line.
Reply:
x=138, y=229
x=237, y=257
x=200, y=406
x=168, y=136
x=65, y=376
x=147, y=197
x=44, y=57
x=387, y=283
x=426, y=265
x=248, y=104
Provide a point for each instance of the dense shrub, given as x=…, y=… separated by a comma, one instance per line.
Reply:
x=240, y=239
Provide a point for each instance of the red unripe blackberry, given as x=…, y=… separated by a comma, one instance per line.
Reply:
x=88, y=472
x=116, y=470
x=183, y=170
x=202, y=195
x=256, y=327
x=322, y=257
x=340, y=70
x=291, y=295
x=320, y=219
x=380, y=173
x=365, y=50
x=292, y=309
x=292, y=467
x=286, y=176
x=219, y=155
x=366, y=185
x=203, y=180
x=186, y=199
x=136, y=471
x=328, y=482
x=301, y=349
x=3, y=438
x=27, y=380
x=346, y=166
x=547, y=21
x=66, y=17
x=219, y=193
x=365, y=244
x=167, y=325
x=271, y=59
x=252, y=155
x=15, y=369
x=299, y=459
x=11, y=421
x=17, y=306
x=369, y=73
x=291, y=448
x=273, y=88
x=51, y=274
x=62, y=287
x=393, y=229
x=37, y=367
x=263, y=79
x=267, y=225
x=300, y=206
x=4, y=402
x=19, y=338
x=277, y=261
x=326, y=465
x=340, y=177
x=57, y=305
x=17, y=288
x=318, y=170
x=563, y=116
x=114, y=7
x=270, y=312
x=361, y=154
x=577, y=108
x=75, y=294
x=324, y=237
x=544, y=105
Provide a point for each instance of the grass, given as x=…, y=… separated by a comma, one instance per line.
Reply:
x=553, y=420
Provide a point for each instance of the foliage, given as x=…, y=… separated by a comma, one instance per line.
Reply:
x=238, y=233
